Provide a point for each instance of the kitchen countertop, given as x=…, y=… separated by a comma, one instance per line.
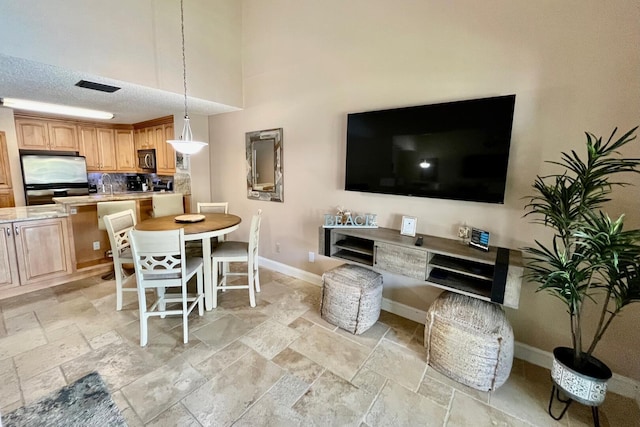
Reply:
x=31, y=213
x=92, y=199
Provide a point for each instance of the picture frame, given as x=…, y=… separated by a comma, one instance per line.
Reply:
x=182, y=161
x=409, y=226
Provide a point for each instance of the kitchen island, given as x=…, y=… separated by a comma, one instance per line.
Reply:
x=47, y=245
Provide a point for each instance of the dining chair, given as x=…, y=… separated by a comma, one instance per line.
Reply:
x=167, y=204
x=160, y=263
x=118, y=226
x=232, y=251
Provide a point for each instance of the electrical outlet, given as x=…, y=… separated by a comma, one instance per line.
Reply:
x=73, y=211
x=277, y=247
x=312, y=257
x=96, y=245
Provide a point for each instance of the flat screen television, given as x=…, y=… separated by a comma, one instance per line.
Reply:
x=454, y=150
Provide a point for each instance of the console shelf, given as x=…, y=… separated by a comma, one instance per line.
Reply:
x=494, y=276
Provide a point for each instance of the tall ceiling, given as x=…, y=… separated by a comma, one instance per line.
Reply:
x=21, y=78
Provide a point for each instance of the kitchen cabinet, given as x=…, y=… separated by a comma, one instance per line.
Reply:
x=55, y=135
x=125, y=151
x=99, y=148
x=155, y=136
x=33, y=252
x=6, y=189
x=166, y=155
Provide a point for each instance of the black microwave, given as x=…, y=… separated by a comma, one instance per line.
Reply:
x=147, y=160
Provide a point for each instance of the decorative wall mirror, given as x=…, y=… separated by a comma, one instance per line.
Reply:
x=264, y=165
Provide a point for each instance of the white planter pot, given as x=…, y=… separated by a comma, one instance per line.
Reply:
x=588, y=385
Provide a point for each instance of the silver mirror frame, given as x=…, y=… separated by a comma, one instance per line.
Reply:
x=277, y=193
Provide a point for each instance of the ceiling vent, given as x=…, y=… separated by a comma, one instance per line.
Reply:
x=97, y=86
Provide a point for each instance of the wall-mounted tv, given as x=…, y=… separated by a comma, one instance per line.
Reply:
x=454, y=150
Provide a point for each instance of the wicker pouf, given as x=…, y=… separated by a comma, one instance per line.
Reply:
x=469, y=341
x=351, y=297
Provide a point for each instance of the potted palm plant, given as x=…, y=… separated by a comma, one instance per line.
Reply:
x=590, y=259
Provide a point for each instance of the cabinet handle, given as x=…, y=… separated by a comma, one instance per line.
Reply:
x=17, y=230
x=8, y=231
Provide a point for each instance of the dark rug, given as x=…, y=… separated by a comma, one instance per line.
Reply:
x=86, y=402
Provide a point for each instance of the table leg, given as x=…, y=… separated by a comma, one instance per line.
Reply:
x=208, y=283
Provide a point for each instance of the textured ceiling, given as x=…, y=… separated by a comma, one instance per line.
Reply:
x=20, y=78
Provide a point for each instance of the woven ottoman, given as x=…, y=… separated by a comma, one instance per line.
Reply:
x=469, y=341
x=351, y=297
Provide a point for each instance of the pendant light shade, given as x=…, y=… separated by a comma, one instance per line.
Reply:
x=186, y=144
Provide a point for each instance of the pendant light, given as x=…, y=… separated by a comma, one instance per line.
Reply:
x=186, y=144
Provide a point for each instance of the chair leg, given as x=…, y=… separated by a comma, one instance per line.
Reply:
x=185, y=315
x=199, y=287
x=142, y=303
x=257, y=277
x=118, y=276
x=252, y=295
x=214, y=283
x=162, y=302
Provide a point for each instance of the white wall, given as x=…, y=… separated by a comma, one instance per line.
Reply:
x=136, y=41
x=574, y=66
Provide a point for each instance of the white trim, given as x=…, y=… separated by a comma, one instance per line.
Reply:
x=619, y=384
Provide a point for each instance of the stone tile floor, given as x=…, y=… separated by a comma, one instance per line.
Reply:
x=278, y=364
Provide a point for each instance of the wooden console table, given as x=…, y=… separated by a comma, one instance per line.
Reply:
x=449, y=264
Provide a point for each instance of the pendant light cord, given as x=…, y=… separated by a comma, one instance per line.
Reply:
x=184, y=60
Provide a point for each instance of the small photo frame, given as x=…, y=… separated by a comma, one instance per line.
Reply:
x=409, y=226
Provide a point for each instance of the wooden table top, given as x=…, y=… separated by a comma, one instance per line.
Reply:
x=212, y=222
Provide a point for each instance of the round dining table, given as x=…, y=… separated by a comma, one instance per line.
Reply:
x=213, y=225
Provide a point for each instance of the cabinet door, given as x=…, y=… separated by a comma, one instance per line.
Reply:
x=398, y=259
x=63, y=136
x=42, y=249
x=89, y=147
x=125, y=151
x=5, y=170
x=169, y=167
x=8, y=266
x=32, y=134
x=6, y=199
x=107, y=150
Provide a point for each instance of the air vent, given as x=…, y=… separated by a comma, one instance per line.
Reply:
x=97, y=86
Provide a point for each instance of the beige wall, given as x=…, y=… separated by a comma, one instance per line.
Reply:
x=574, y=66
x=136, y=41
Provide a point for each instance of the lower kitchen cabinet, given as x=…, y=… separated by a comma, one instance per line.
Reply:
x=33, y=252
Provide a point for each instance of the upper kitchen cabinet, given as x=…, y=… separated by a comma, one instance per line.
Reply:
x=154, y=134
x=166, y=155
x=6, y=189
x=35, y=134
x=125, y=151
x=99, y=148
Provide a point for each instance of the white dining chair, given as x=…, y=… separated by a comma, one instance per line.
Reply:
x=232, y=251
x=160, y=263
x=167, y=204
x=118, y=226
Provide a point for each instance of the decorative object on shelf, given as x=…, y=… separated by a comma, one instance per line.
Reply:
x=464, y=233
x=350, y=221
x=590, y=259
x=409, y=225
x=185, y=144
x=479, y=239
x=264, y=165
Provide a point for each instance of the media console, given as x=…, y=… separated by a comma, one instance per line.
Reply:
x=449, y=264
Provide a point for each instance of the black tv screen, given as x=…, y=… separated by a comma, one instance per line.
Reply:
x=454, y=150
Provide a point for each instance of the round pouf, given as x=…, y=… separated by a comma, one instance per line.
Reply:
x=469, y=341
x=351, y=297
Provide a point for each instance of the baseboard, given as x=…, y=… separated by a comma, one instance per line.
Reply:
x=618, y=384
